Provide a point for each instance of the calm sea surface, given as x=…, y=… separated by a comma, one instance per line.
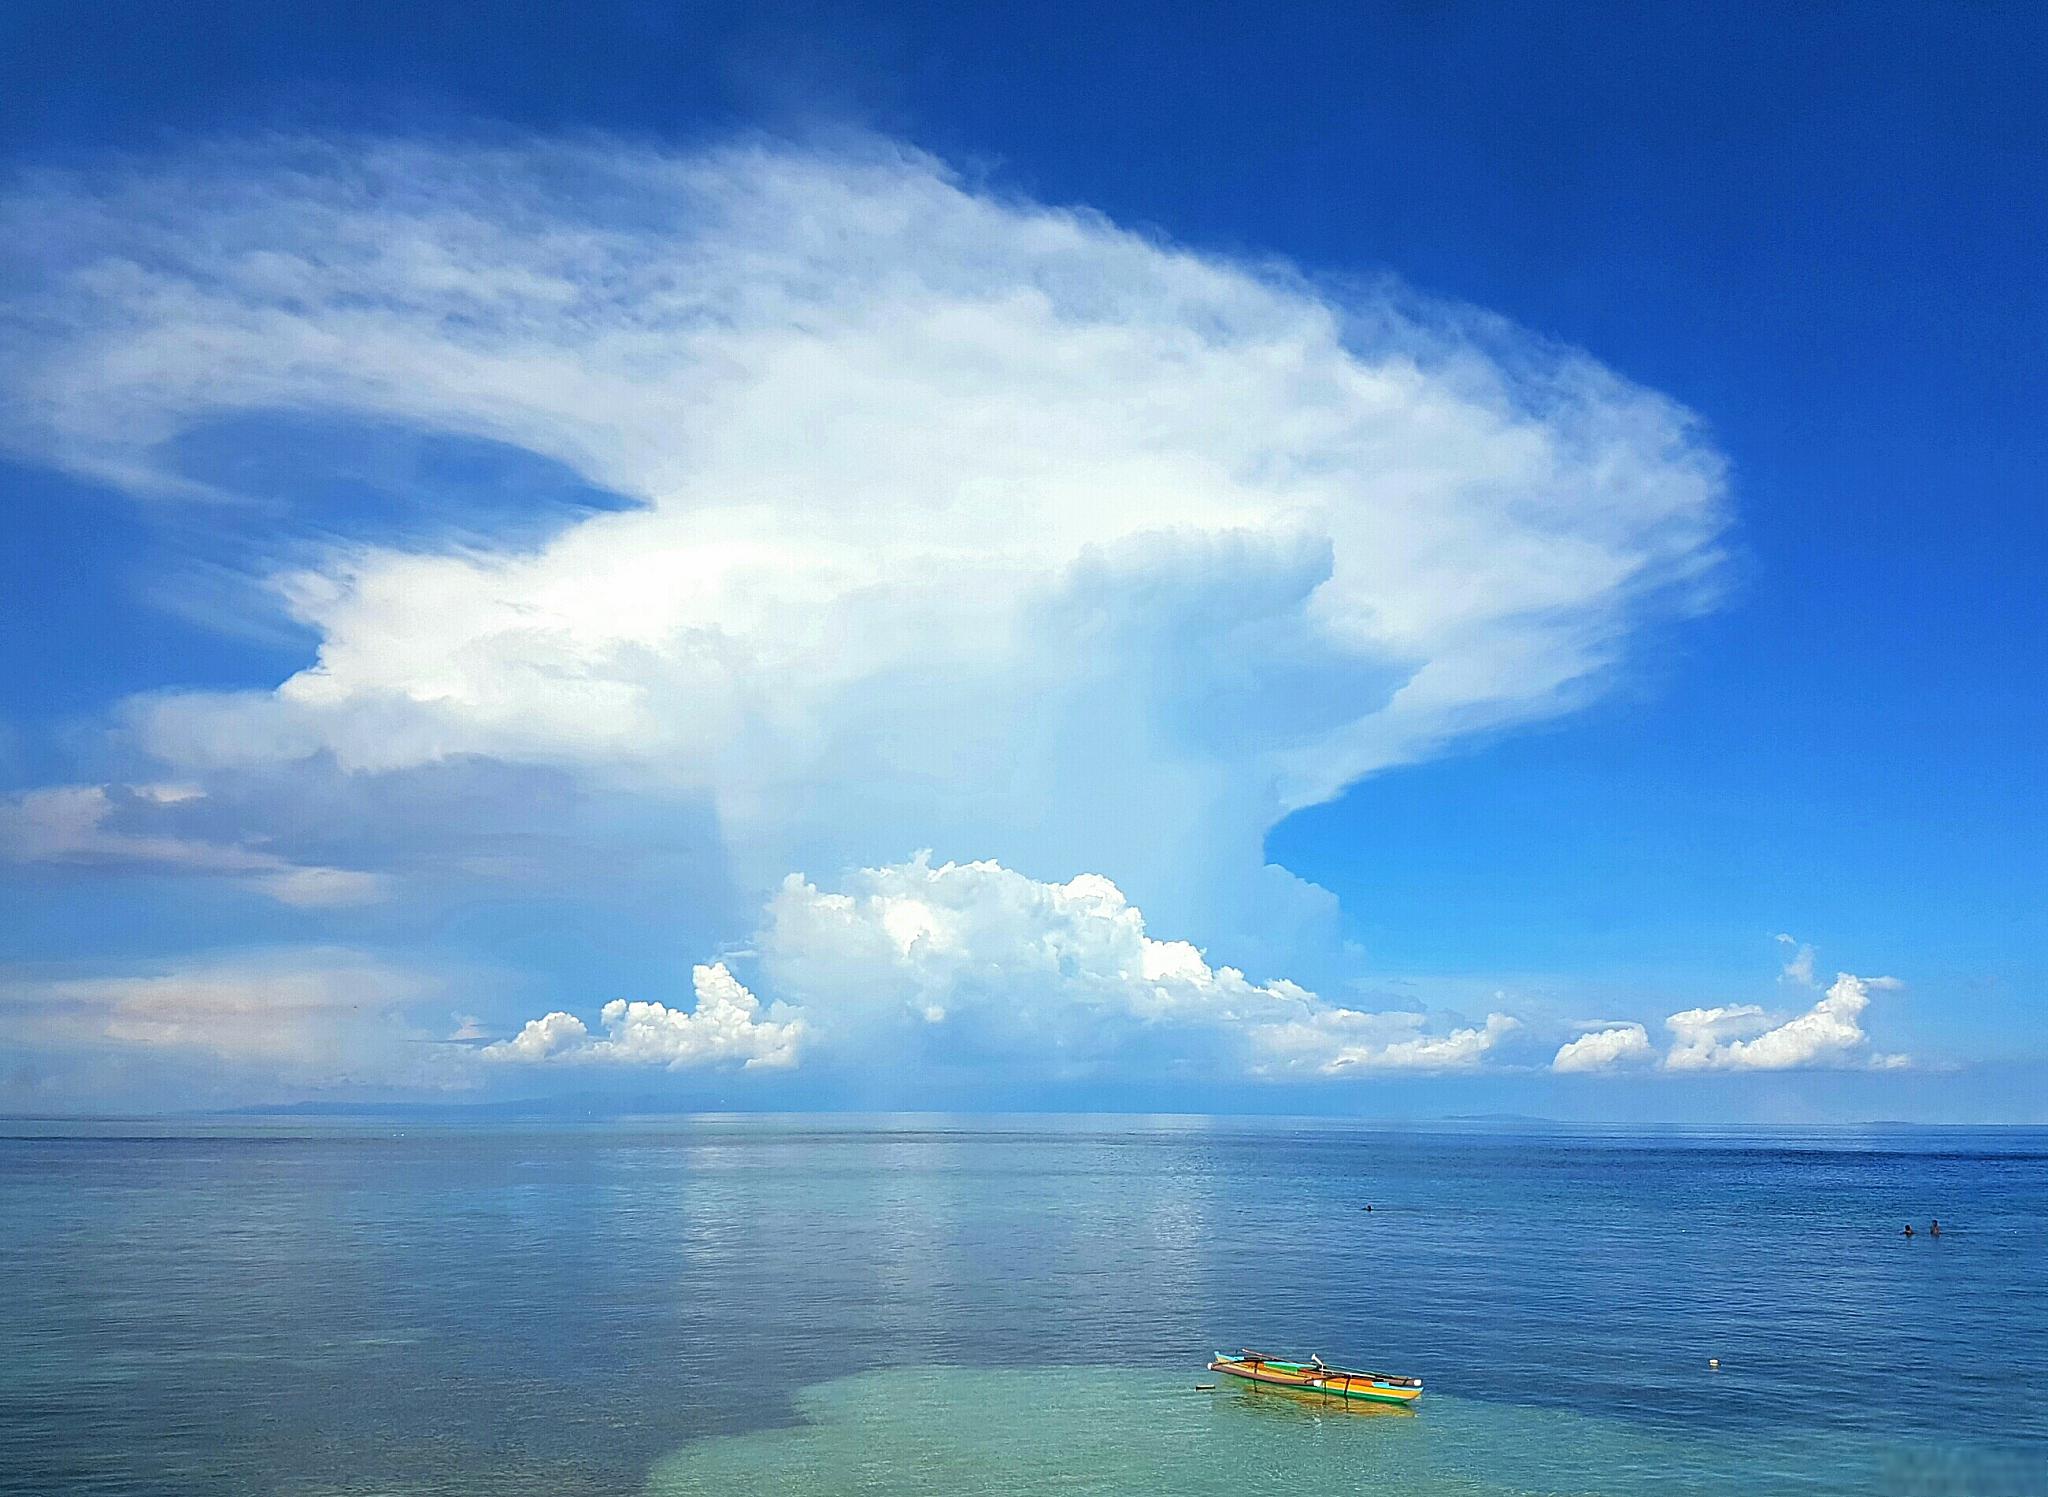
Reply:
x=920, y=1305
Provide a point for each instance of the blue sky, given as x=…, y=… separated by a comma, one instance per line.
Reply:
x=1774, y=669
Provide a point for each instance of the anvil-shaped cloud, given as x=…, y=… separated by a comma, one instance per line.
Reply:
x=955, y=517
x=949, y=519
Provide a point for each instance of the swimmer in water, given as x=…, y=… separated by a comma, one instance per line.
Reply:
x=1934, y=1229
x=1908, y=1232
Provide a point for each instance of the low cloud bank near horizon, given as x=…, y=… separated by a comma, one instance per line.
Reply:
x=726, y=1024
x=978, y=963
x=233, y=1027
x=1746, y=1036
x=1742, y=1037
x=925, y=972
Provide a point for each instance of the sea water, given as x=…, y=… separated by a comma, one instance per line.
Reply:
x=913, y=1305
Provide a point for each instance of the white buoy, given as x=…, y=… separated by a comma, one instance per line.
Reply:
x=1714, y=1363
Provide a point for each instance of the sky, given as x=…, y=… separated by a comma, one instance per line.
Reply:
x=1399, y=561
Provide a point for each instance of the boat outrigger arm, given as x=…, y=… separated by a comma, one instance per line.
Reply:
x=1314, y=1376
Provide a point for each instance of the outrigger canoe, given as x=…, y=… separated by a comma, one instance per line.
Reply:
x=1313, y=1377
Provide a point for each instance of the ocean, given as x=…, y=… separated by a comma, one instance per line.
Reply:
x=936, y=1305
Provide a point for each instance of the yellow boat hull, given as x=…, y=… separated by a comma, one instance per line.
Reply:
x=1325, y=1382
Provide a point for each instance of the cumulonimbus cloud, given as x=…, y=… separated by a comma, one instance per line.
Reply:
x=979, y=960
x=952, y=517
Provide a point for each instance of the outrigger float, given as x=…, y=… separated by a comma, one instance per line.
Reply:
x=1313, y=1376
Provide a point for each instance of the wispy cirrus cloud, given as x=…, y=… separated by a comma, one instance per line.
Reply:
x=93, y=826
x=1799, y=965
x=326, y=1014
x=1337, y=1041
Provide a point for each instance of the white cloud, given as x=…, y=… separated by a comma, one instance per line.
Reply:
x=1604, y=1049
x=74, y=824
x=958, y=518
x=975, y=961
x=1023, y=963
x=320, y=887
x=1337, y=1041
x=1799, y=966
x=551, y=1035
x=1742, y=1037
x=727, y=1024
x=323, y=1013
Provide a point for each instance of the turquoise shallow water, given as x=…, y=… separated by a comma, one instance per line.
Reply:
x=1104, y=1431
x=297, y=1307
